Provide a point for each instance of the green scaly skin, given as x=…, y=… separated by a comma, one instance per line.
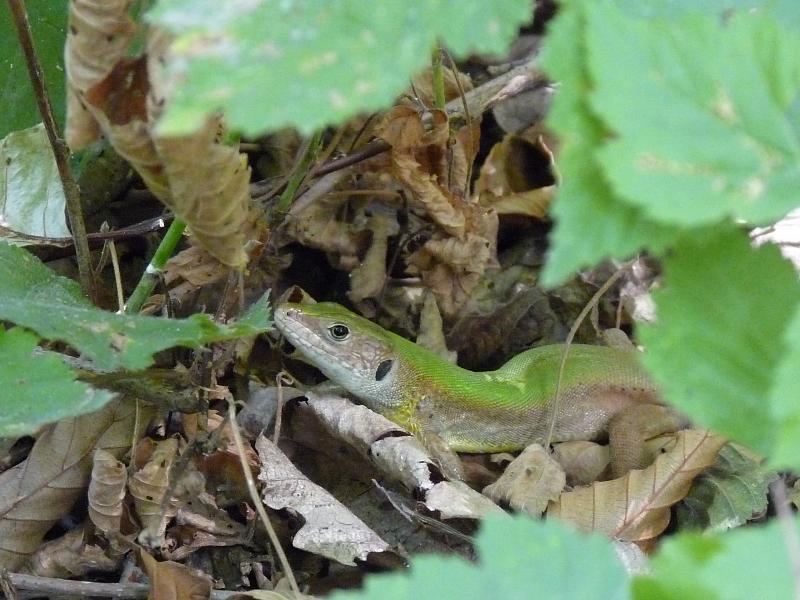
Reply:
x=495, y=411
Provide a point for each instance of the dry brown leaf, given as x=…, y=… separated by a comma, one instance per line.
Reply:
x=71, y=556
x=531, y=481
x=98, y=36
x=636, y=507
x=368, y=279
x=205, y=182
x=330, y=529
x=583, y=462
x=173, y=581
x=433, y=165
x=509, y=181
x=320, y=226
x=106, y=491
x=42, y=489
x=149, y=484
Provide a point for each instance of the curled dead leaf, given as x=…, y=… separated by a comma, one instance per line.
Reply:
x=532, y=480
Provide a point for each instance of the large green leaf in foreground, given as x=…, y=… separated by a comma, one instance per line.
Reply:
x=747, y=563
x=309, y=63
x=719, y=339
x=703, y=113
x=519, y=559
x=34, y=297
x=38, y=388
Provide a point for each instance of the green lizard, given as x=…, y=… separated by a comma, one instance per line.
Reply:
x=502, y=410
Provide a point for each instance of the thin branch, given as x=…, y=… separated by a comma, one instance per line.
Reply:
x=60, y=150
x=258, y=504
x=570, y=336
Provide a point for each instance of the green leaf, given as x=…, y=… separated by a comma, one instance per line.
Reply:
x=591, y=221
x=48, y=19
x=31, y=194
x=719, y=337
x=750, y=562
x=701, y=113
x=38, y=388
x=728, y=494
x=784, y=400
x=33, y=296
x=309, y=63
x=519, y=558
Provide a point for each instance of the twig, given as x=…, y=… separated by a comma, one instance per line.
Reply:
x=153, y=270
x=60, y=150
x=65, y=587
x=258, y=504
x=789, y=529
x=50, y=586
x=570, y=336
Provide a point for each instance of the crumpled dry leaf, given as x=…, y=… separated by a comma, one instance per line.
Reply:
x=205, y=182
x=532, y=480
x=107, y=491
x=149, y=484
x=174, y=581
x=97, y=40
x=330, y=529
x=42, y=489
x=434, y=166
x=636, y=507
x=368, y=278
x=509, y=181
x=72, y=556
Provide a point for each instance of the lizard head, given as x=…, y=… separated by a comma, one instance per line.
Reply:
x=350, y=350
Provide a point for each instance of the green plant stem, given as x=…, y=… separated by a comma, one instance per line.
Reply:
x=148, y=281
x=437, y=74
x=298, y=174
x=60, y=150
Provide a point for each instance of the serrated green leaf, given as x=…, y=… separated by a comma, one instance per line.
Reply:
x=719, y=337
x=784, y=400
x=31, y=195
x=750, y=562
x=728, y=494
x=309, y=63
x=519, y=559
x=33, y=296
x=48, y=19
x=591, y=222
x=39, y=388
x=700, y=112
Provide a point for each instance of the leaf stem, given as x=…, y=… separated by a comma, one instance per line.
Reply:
x=148, y=281
x=437, y=74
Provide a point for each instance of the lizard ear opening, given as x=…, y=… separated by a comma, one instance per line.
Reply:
x=383, y=369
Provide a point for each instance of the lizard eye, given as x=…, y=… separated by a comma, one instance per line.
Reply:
x=339, y=332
